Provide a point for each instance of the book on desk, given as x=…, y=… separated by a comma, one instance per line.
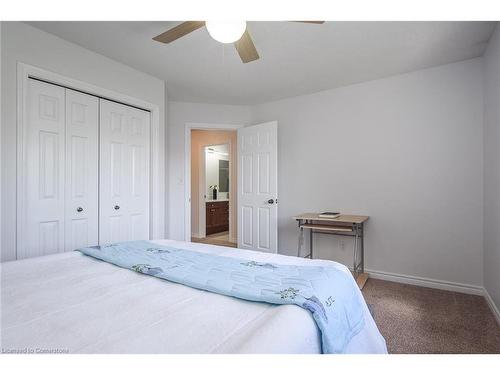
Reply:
x=329, y=215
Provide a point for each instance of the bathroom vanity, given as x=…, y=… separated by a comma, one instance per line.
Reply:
x=217, y=216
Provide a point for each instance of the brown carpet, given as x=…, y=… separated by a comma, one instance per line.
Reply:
x=422, y=320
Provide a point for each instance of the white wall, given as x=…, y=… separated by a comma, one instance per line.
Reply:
x=23, y=43
x=492, y=168
x=180, y=113
x=406, y=150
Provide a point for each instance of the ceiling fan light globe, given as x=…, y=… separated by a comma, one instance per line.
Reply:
x=226, y=32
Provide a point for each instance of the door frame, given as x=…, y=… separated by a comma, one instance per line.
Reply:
x=187, y=166
x=24, y=73
x=202, y=178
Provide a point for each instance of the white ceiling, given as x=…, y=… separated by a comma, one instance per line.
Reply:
x=296, y=58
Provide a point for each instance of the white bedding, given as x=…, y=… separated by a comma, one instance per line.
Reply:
x=76, y=303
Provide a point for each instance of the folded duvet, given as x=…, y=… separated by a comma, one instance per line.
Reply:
x=326, y=292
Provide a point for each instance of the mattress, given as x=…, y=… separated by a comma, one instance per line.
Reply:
x=73, y=303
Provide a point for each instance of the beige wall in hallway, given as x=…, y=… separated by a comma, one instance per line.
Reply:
x=200, y=139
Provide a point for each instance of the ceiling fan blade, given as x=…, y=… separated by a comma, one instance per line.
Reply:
x=316, y=22
x=246, y=48
x=179, y=31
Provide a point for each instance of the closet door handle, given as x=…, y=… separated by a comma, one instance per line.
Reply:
x=117, y=207
x=79, y=209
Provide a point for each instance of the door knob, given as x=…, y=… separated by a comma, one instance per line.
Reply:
x=117, y=207
x=79, y=209
x=270, y=201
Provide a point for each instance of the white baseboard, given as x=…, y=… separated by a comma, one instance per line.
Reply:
x=493, y=307
x=426, y=282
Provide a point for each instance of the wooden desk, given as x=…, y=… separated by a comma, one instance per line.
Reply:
x=343, y=225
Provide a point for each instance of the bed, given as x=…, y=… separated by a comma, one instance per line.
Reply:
x=73, y=303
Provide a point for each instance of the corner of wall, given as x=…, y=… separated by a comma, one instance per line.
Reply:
x=1, y=184
x=166, y=164
x=491, y=174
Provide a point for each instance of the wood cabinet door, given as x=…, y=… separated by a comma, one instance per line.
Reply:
x=217, y=217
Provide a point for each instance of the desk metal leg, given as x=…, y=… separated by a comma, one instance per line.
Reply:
x=362, y=240
x=355, y=250
x=311, y=243
x=300, y=241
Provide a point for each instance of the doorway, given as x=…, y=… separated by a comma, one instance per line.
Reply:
x=213, y=182
x=253, y=210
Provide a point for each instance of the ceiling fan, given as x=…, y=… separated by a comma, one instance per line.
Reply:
x=224, y=32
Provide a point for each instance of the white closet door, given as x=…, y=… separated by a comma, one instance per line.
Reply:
x=138, y=174
x=43, y=203
x=81, y=208
x=124, y=173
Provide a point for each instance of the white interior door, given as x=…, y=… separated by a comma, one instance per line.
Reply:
x=44, y=153
x=258, y=187
x=124, y=173
x=81, y=202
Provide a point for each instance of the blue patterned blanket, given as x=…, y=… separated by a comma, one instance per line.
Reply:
x=328, y=293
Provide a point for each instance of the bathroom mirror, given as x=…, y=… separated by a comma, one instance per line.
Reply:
x=217, y=170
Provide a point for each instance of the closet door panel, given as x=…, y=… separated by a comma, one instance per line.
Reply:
x=43, y=214
x=139, y=139
x=82, y=127
x=124, y=171
x=114, y=220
